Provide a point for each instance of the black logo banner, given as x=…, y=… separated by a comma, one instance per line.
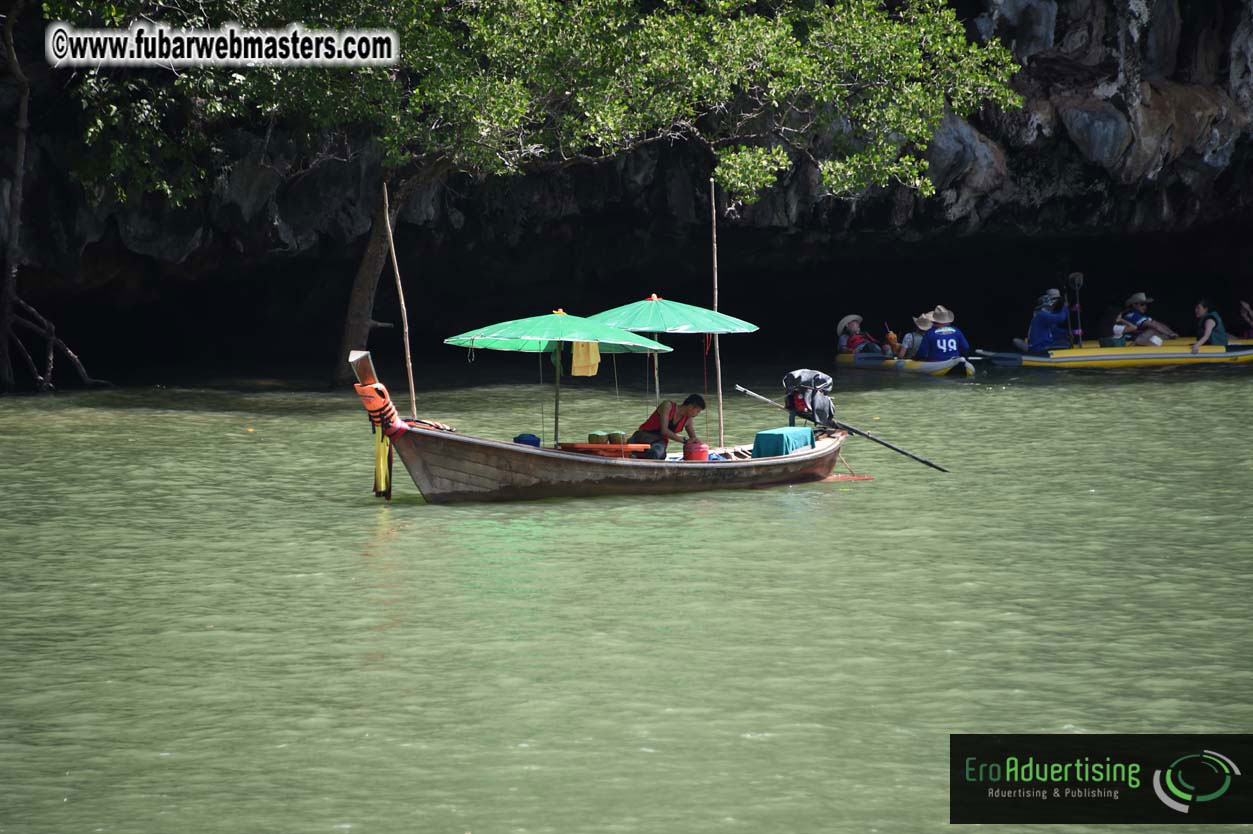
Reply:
x=1079, y=778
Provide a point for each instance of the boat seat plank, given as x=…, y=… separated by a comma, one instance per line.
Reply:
x=607, y=450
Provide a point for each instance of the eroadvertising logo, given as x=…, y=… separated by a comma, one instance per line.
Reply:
x=1090, y=778
x=1212, y=771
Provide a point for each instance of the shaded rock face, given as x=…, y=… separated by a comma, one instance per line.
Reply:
x=1136, y=119
x=966, y=168
x=1026, y=26
x=1098, y=129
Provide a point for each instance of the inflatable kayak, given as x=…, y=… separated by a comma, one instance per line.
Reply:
x=957, y=366
x=1148, y=356
x=1186, y=341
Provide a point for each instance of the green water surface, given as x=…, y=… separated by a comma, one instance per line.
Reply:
x=209, y=624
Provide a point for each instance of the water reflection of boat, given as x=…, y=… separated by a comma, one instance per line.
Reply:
x=447, y=466
x=1148, y=356
x=955, y=367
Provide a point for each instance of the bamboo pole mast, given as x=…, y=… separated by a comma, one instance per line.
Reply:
x=713, y=226
x=404, y=314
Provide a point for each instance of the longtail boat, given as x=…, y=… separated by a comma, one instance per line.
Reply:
x=448, y=466
x=956, y=367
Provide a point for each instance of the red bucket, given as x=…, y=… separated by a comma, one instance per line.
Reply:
x=693, y=450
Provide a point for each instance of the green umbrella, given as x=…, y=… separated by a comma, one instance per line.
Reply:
x=657, y=315
x=545, y=334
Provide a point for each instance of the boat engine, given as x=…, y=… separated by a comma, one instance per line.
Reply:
x=806, y=396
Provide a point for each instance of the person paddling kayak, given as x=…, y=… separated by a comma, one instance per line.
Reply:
x=1048, y=330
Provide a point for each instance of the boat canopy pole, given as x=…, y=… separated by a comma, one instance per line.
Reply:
x=713, y=225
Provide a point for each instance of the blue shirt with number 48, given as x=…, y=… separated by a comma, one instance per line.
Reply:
x=941, y=344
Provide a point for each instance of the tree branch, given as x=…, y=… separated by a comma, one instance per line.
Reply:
x=40, y=383
x=12, y=251
x=48, y=332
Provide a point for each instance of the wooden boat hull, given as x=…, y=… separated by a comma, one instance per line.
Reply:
x=955, y=367
x=449, y=467
x=1149, y=356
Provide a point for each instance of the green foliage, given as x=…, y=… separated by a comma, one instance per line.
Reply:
x=153, y=130
x=502, y=86
x=748, y=170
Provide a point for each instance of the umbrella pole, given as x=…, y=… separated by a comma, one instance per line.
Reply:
x=656, y=372
x=557, y=394
x=713, y=226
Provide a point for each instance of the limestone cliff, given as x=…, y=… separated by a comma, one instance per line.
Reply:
x=1136, y=120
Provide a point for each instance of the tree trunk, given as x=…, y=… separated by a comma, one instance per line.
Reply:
x=14, y=312
x=360, y=318
x=8, y=282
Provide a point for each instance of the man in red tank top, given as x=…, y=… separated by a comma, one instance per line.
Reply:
x=664, y=425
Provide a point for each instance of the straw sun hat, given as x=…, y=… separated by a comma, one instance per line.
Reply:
x=923, y=322
x=846, y=321
x=942, y=315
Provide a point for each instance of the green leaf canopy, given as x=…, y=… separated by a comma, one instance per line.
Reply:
x=852, y=89
x=657, y=315
x=543, y=334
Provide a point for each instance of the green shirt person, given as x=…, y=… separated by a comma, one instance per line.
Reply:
x=1209, y=326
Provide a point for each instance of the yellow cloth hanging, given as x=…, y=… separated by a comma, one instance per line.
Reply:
x=586, y=360
x=383, y=466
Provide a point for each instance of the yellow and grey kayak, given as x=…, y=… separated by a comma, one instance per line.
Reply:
x=1185, y=341
x=1148, y=356
x=957, y=366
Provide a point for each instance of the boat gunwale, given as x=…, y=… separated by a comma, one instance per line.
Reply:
x=871, y=362
x=1129, y=356
x=824, y=444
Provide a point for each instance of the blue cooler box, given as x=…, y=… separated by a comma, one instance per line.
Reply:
x=782, y=441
